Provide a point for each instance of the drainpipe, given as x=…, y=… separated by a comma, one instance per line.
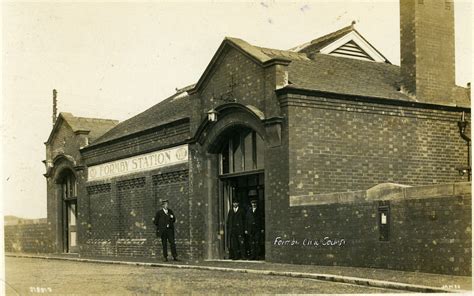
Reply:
x=462, y=131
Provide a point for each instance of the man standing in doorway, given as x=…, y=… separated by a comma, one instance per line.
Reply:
x=164, y=221
x=235, y=228
x=254, y=228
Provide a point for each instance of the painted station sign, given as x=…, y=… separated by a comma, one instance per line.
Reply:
x=139, y=163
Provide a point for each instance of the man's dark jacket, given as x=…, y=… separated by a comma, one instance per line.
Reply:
x=254, y=221
x=162, y=220
x=235, y=222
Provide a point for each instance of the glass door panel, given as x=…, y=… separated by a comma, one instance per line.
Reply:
x=71, y=226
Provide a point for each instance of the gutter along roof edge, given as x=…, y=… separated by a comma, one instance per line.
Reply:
x=383, y=100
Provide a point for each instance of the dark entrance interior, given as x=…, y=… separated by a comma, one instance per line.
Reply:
x=240, y=188
x=241, y=178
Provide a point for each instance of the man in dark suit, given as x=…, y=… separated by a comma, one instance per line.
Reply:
x=235, y=229
x=164, y=221
x=254, y=229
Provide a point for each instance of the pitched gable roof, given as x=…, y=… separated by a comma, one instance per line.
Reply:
x=347, y=76
x=339, y=62
x=346, y=42
x=95, y=127
x=331, y=73
x=283, y=54
x=310, y=67
x=261, y=56
x=322, y=41
x=171, y=109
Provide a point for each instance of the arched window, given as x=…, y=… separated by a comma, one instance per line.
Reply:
x=243, y=151
x=69, y=187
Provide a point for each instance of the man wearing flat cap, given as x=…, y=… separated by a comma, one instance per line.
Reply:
x=235, y=229
x=164, y=221
x=254, y=226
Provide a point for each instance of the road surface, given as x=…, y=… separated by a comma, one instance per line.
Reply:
x=40, y=276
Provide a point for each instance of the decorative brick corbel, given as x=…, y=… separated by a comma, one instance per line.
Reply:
x=79, y=168
x=273, y=131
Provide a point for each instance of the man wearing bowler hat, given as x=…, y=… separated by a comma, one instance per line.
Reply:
x=254, y=226
x=164, y=221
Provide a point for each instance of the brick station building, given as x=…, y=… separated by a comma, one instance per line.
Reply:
x=342, y=147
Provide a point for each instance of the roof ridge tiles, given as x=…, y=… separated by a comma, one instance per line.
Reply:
x=94, y=119
x=324, y=38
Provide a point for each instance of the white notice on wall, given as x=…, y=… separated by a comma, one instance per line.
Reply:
x=383, y=219
x=139, y=163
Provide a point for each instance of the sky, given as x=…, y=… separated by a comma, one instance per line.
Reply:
x=114, y=60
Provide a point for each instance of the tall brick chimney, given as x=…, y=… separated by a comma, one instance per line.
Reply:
x=427, y=50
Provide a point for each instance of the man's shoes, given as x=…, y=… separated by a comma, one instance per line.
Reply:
x=165, y=259
x=175, y=259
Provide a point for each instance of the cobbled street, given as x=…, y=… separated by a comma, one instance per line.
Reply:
x=39, y=276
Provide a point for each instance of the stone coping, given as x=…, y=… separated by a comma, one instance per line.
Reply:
x=384, y=191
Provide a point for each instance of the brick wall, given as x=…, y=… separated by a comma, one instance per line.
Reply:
x=29, y=238
x=236, y=76
x=337, y=145
x=233, y=75
x=277, y=180
x=237, y=73
x=430, y=229
x=202, y=211
x=174, y=186
x=65, y=143
x=131, y=197
x=343, y=146
x=408, y=50
x=325, y=145
x=144, y=142
x=427, y=51
x=102, y=219
x=121, y=212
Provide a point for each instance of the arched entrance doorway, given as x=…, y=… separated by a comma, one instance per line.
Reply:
x=241, y=179
x=68, y=196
